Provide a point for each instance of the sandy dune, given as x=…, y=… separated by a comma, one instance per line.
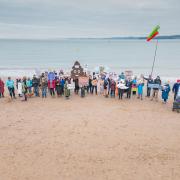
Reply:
x=88, y=139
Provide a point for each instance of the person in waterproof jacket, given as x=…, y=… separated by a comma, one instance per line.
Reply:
x=1, y=88
x=29, y=86
x=165, y=92
x=113, y=88
x=149, y=81
x=89, y=88
x=10, y=86
x=44, y=86
x=175, y=89
x=58, y=87
x=62, y=82
x=156, y=90
x=66, y=90
x=35, y=85
x=24, y=88
x=129, y=85
x=76, y=90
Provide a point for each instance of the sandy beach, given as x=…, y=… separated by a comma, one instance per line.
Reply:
x=89, y=139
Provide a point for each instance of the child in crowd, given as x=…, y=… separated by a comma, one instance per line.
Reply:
x=134, y=86
x=165, y=92
x=140, y=89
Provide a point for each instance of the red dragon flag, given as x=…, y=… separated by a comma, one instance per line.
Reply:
x=154, y=33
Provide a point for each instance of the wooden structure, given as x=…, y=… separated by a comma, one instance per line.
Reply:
x=77, y=71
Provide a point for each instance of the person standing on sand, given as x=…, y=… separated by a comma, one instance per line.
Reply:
x=157, y=82
x=175, y=89
x=1, y=88
x=66, y=90
x=62, y=82
x=29, y=86
x=121, y=88
x=106, y=84
x=58, y=87
x=44, y=85
x=24, y=88
x=10, y=86
x=76, y=82
x=134, y=85
x=165, y=92
x=35, y=85
x=129, y=85
x=149, y=81
x=51, y=83
x=112, y=87
x=19, y=87
x=140, y=89
x=94, y=85
x=89, y=88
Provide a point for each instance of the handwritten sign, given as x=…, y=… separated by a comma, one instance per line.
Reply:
x=83, y=81
x=154, y=86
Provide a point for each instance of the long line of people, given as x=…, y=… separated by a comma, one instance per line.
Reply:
x=108, y=87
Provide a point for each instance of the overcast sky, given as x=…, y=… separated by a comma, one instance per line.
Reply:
x=87, y=18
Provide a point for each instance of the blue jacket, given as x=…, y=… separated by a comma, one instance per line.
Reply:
x=140, y=88
x=165, y=92
x=51, y=76
x=176, y=87
x=29, y=83
x=10, y=83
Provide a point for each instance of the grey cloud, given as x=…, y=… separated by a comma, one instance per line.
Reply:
x=47, y=18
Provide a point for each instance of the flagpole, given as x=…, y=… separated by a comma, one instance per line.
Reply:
x=154, y=58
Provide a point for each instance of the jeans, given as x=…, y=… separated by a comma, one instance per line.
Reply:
x=94, y=87
x=129, y=93
x=11, y=92
x=29, y=90
x=112, y=93
x=36, y=91
x=44, y=92
x=175, y=94
x=148, y=92
x=120, y=92
x=89, y=89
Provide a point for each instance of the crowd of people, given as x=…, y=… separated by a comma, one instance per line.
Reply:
x=59, y=85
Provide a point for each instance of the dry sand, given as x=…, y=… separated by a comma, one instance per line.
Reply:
x=88, y=139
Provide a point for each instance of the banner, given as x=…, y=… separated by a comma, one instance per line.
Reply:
x=152, y=86
x=83, y=81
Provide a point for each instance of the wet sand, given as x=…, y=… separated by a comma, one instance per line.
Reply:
x=89, y=139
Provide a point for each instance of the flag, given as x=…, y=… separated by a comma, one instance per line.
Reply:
x=154, y=33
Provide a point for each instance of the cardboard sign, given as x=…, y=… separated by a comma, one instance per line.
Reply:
x=83, y=81
x=152, y=86
x=128, y=74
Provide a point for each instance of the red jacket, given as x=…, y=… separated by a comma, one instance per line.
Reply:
x=52, y=84
x=1, y=86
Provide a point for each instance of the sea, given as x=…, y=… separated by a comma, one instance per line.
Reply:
x=27, y=57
